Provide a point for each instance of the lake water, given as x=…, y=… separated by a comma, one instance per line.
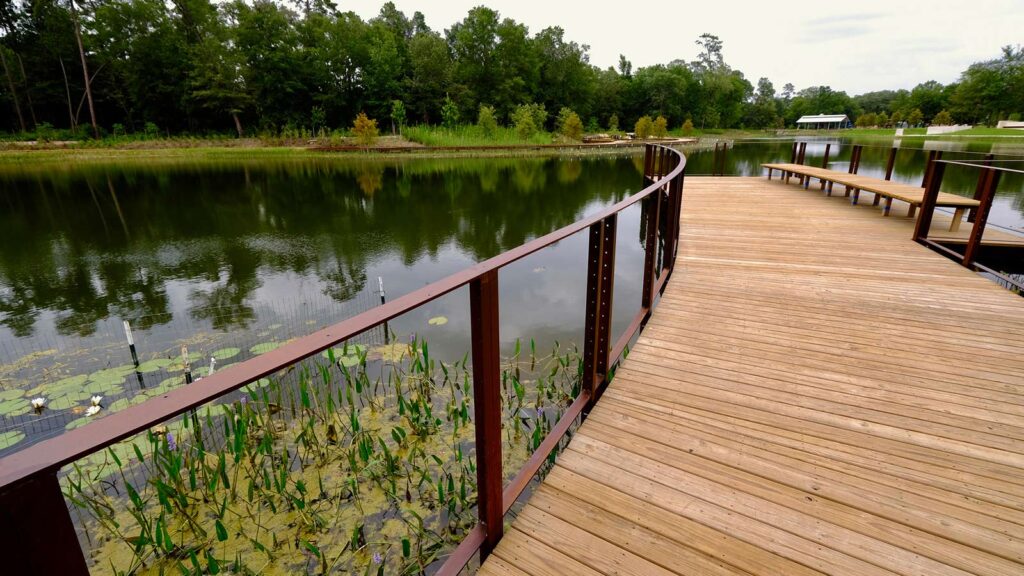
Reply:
x=249, y=254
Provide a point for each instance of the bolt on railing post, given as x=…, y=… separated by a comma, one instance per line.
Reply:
x=483, y=304
x=37, y=535
x=981, y=218
x=931, y=194
x=600, y=285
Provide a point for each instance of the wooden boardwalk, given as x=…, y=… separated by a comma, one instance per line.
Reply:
x=815, y=393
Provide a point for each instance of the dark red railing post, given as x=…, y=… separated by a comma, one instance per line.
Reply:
x=651, y=249
x=600, y=284
x=991, y=182
x=483, y=304
x=824, y=161
x=37, y=535
x=931, y=194
x=891, y=164
x=980, y=188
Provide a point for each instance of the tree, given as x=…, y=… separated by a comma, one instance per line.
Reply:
x=568, y=124
x=397, y=115
x=365, y=129
x=449, y=113
x=915, y=117
x=687, y=127
x=660, y=127
x=942, y=119
x=882, y=119
x=644, y=127
x=486, y=120
x=524, y=121
x=896, y=119
x=613, y=123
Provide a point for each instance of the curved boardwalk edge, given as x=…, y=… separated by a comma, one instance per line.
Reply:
x=815, y=393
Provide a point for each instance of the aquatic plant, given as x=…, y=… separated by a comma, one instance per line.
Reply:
x=357, y=461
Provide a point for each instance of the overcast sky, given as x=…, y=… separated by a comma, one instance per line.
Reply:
x=856, y=46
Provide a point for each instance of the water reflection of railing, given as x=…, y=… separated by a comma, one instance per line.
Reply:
x=37, y=535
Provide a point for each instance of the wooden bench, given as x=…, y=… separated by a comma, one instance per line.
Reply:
x=912, y=195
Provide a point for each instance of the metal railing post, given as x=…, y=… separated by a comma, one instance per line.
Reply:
x=37, y=535
x=991, y=182
x=483, y=304
x=600, y=285
x=979, y=190
x=651, y=249
x=931, y=194
x=824, y=162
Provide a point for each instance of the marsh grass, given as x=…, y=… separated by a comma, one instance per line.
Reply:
x=360, y=462
x=472, y=136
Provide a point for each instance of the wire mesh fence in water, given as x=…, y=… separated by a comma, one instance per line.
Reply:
x=73, y=373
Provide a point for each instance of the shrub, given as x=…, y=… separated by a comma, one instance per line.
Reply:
x=44, y=132
x=529, y=119
x=397, y=115
x=942, y=119
x=613, y=123
x=687, y=127
x=660, y=128
x=882, y=119
x=317, y=117
x=449, y=113
x=151, y=130
x=486, y=120
x=592, y=125
x=644, y=127
x=915, y=117
x=569, y=124
x=365, y=129
x=117, y=129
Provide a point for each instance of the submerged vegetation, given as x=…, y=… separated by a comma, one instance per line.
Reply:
x=353, y=462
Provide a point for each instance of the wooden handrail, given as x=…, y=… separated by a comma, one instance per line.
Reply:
x=48, y=545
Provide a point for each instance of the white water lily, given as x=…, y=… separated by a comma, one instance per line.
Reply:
x=96, y=400
x=38, y=403
x=92, y=411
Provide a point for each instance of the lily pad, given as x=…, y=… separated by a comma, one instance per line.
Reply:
x=391, y=352
x=111, y=375
x=15, y=407
x=60, y=386
x=11, y=394
x=261, y=383
x=437, y=321
x=154, y=365
x=76, y=423
x=121, y=404
x=265, y=347
x=346, y=350
x=66, y=402
x=225, y=353
x=349, y=361
x=8, y=439
x=103, y=388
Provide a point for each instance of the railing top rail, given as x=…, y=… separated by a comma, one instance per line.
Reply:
x=56, y=452
x=982, y=166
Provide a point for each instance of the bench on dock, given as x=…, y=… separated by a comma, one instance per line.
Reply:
x=912, y=195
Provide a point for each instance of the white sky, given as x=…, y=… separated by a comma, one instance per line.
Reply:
x=856, y=46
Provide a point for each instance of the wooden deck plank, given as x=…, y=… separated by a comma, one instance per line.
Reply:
x=812, y=394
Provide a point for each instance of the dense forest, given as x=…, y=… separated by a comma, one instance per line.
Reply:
x=256, y=67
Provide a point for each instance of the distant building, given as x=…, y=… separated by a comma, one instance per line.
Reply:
x=824, y=122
